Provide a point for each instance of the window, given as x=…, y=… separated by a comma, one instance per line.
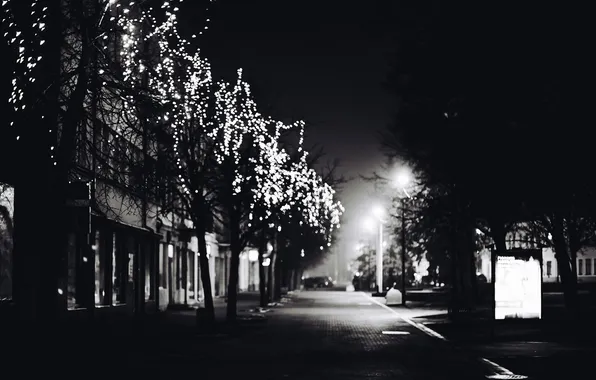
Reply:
x=6, y=240
x=150, y=170
x=588, y=267
x=149, y=271
x=580, y=267
x=137, y=170
x=104, y=143
x=549, y=268
x=178, y=269
x=119, y=270
x=121, y=161
x=163, y=266
x=84, y=138
x=71, y=287
x=101, y=258
x=192, y=258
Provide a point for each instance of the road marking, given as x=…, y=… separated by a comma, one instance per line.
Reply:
x=419, y=326
x=501, y=372
x=396, y=333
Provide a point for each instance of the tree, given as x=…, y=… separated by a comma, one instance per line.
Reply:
x=52, y=42
x=463, y=104
x=179, y=90
x=85, y=67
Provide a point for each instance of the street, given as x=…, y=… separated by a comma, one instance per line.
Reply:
x=334, y=335
x=313, y=334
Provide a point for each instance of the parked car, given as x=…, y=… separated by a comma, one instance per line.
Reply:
x=318, y=282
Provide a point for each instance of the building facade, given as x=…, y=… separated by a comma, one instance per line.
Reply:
x=585, y=261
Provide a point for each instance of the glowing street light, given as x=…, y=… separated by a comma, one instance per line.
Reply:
x=379, y=211
x=368, y=224
x=403, y=178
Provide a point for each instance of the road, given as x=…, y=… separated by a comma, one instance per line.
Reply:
x=318, y=334
x=333, y=335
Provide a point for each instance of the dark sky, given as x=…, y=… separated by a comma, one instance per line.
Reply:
x=323, y=61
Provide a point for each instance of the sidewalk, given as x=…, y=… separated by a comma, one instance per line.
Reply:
x=556, y=326
x=77, y=346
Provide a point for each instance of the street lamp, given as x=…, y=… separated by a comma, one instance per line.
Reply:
x=379, y=212
x=402, y=180
x=368, y=224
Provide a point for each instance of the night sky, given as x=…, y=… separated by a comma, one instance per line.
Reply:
x=325, y=62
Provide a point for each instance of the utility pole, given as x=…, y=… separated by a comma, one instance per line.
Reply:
x=403, y=251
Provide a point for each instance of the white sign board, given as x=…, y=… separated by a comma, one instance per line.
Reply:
x=518, y=285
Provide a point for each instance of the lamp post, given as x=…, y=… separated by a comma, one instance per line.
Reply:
x=378, y=211
x=403, y=251
x=401, y=181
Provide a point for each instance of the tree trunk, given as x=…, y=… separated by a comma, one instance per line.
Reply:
x=270, y=276
x=205, y=275
x=291, y=277
x=464, y=269
x=565, y=264
x=262, y=280
x=498, y=234
x=235, y=250
x=297, y=279
x=41, y=191
x=277, y=270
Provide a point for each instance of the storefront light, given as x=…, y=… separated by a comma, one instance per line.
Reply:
x=253, y=255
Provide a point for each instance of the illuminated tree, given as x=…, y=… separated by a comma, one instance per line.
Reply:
x=180, y=90
x=81, y=68
x=55, y=47
x=308, y=217
x=251, y=181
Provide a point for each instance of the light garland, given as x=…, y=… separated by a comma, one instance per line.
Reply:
x=26, y=37
x=181, y=83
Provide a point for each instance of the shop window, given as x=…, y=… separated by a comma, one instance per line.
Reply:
x=178, y=269
x=588, y=267
x=71, y=292
x=192, y=259
x=6, y=242
x=580, y=267
x=149, y=271
x=171, y=267
x=549, y=268
x=163, y=266
x=101, y=261
x=119, y=272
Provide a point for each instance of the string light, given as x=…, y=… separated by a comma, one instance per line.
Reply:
x=180, y=83
x=26, y=35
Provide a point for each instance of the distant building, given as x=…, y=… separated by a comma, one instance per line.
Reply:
x=585, y=261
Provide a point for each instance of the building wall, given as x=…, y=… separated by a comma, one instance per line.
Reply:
x=586, y=265
x=173, y=289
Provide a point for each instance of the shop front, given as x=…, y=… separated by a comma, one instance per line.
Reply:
x=123, y=277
